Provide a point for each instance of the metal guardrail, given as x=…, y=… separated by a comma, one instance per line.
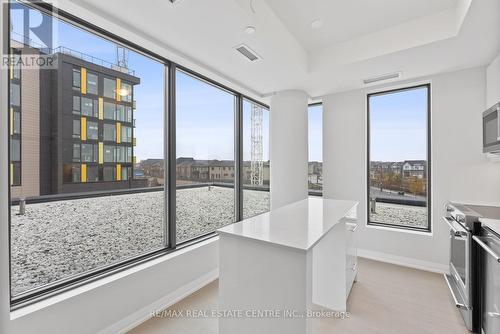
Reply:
x=411, y=202
x=118, y=192
x=64, y=50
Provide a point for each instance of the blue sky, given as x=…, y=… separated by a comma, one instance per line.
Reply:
x=315, y=133
x=398, y=126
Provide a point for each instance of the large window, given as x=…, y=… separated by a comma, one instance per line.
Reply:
x=205, y=157
x=256, y=164
x=315, y=165
x=66, y=231
x=399, y=159
x=102, y=205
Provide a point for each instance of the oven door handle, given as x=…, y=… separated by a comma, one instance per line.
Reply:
x=456, y=233
x=490, y=251
x=455, y=300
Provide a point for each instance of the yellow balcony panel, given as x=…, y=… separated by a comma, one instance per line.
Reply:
x=83, y=173
x=101, y=153
x=11, y=121
x=83, y=130
x=83, y=78
x=118, y=172
x=118, y=133
x=101, y=108
x=118, y=89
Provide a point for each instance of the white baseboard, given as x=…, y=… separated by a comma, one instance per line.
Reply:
x=404, y=261
x=144, y=314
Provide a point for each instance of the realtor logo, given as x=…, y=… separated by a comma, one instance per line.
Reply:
x=33, y=36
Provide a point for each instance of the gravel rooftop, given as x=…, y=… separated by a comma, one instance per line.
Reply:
x=403, y=215
x=57, y=240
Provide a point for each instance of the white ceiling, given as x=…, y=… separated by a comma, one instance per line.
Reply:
x=358, y=39
x=344, y=20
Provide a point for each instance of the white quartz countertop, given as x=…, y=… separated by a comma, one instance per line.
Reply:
x=298, y=225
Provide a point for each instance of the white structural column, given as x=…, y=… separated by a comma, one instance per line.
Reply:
x=288, y=147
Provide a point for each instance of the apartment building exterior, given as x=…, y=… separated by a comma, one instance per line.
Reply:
x=190, y=169
x=72, y=127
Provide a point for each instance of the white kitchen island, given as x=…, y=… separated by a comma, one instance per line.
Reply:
x=276, y=266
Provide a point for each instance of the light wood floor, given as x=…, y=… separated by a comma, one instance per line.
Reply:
x=386, y=299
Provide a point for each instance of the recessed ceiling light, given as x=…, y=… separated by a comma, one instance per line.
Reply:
x=316, y=24
x=250, y=30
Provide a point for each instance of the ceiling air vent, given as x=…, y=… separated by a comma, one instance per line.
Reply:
x=382, y=77
x=247, y=53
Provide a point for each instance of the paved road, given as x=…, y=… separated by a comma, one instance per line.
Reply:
x=375, y=192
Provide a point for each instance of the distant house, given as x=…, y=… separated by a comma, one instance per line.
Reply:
x=221, y=170
x=396, y=168
x=414, y=168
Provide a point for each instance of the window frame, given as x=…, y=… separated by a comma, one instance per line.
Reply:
x=311, y=192
x=169, y=115
x=428, y=229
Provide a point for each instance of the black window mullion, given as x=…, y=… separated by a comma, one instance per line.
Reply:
x=170, y=165
x=238, y=157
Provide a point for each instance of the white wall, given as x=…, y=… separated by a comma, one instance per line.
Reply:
x=288, y=147
x=108, y=308
x=460, y=172
x=493, y=83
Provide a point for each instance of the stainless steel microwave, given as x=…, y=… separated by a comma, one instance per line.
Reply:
x=491, y=129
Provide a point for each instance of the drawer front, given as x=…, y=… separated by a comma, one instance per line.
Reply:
x=351, y=255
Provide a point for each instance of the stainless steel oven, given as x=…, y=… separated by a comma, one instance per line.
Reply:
x=459, y=279
x=463, y=222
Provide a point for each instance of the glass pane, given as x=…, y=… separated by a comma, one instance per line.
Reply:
x=92, y=130
x=109, y=154
x=76, y=105
x=92, y=83
x=76, y=78
x=15, y=94
x=398, y=158
x=87, y=107
x=89, y=153
x=109, y=132
x=109, y=110
x=315, y=170
x=205, y=157
x=92, y=173
x=256, y=164
x=109, y=173
x=109, y=88
x=65, y=231
x=126, y=134
x=76, y=128
x=16, y=174
x=17, y=122
x=15, y=150
x=76, y=153
x=120, y=113
x=126, y=92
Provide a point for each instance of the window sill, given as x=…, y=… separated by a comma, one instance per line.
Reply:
x=52, y=300
x=399, y=230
